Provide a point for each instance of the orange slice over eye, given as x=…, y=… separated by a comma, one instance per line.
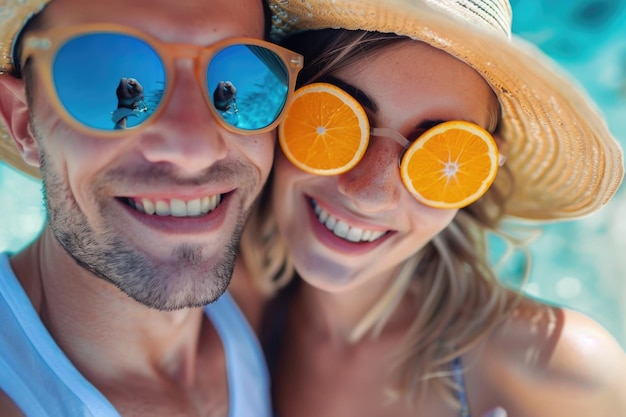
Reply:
x=451, y=165
x=325, y=131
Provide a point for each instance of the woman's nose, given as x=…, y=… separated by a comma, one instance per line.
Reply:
x=374, y=183
x=186, y=133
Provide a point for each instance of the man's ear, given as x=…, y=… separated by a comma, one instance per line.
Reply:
x=14, y=113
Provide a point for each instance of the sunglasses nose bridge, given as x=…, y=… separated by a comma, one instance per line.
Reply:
x=176, y=59
x=173, y=54
x=395, y=135
x=201, y=58
x=390, y=133
x=183, y=50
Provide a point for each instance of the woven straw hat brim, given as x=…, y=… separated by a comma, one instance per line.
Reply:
x=13, y=16
x=565, y=162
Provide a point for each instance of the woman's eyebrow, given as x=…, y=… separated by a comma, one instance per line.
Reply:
x=358, y=94
x=369, y=104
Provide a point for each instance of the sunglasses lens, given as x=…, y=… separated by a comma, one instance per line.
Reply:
x=108, y=81
x=248, y=86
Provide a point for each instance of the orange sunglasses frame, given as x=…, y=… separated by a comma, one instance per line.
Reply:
x=44, y=44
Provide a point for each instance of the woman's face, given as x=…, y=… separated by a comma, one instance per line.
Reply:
x=347, y=230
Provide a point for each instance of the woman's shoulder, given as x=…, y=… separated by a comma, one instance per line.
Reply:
x=555, y=339
x=559, y=356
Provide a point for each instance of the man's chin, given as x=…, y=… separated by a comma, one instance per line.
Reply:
x=184, y=286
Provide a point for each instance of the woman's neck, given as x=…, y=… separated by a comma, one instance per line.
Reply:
x=336, y=315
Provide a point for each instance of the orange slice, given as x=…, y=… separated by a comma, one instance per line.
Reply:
x=451, y=165
x=325, y=131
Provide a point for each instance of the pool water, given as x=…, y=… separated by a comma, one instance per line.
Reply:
x=580, y=264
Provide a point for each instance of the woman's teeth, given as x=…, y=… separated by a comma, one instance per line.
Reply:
x=175, y=207
x=343, y=230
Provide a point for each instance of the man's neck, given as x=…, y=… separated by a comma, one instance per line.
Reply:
x=102, y=330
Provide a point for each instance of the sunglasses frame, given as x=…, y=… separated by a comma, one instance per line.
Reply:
x=43, y=45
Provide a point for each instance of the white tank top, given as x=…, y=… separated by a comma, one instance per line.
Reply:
x=41, y=380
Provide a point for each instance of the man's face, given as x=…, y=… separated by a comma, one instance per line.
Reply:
x=99, y=189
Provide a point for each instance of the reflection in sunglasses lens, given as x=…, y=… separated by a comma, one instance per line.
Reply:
x=108, y=81
x=248, y=86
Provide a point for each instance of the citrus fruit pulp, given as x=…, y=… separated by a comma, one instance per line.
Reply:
x=451, y=165
x=325, y=131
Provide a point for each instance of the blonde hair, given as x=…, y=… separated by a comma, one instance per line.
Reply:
x=459, y=297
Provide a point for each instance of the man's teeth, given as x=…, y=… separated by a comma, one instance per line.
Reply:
x=343, y=230
x=176, y=207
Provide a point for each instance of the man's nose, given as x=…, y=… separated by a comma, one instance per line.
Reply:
x=186, y=133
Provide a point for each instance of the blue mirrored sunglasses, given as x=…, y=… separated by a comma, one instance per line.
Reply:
x=107, y=78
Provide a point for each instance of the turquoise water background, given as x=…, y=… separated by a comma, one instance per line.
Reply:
x=581, y=265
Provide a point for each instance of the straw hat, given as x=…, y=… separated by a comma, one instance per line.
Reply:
x=13, y=16
x=565, y=162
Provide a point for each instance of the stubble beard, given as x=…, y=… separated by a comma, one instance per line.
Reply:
x=188, y=278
